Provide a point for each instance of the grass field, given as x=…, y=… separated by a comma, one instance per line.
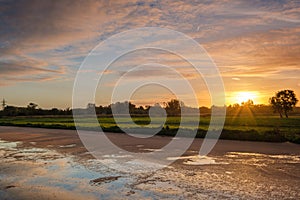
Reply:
x=256, y=128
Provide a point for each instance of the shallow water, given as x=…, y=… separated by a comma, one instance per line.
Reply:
x=40, y=173
x=36, y=173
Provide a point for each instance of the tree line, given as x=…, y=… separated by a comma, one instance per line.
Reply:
x=283, y=102
x=173, y=107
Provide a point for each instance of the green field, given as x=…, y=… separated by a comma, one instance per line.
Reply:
x=257, y=128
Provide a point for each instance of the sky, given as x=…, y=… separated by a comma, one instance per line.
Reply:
x=254, y=44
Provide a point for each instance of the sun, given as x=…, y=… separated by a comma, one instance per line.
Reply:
x=244, y=96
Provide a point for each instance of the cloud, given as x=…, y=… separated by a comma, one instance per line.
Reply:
x=59, y=33
x=258, y=53
x=28, y=70
x=48, y=40
x=49, y=24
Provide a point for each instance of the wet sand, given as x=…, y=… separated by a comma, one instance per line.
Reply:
x=57, y=165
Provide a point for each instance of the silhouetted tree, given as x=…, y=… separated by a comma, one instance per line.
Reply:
x=204, y=110
x=248, y=103
x=173, y=107
x=283, y=102
x=157, y=110
x=32, y=106
x=3, y=104
x=91, y=106
x=125, y=107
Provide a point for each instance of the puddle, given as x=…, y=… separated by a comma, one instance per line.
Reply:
x=41, y=173
x=47, y=173
x=101, y=180
x=131, y=166
x=8, y=145
x=262, y=159
x=196, y=160
x=67, y=146
x=153, y=150
x=117, y=156
x=199, y=161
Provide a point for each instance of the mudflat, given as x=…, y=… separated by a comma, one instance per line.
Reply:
x=50, y=163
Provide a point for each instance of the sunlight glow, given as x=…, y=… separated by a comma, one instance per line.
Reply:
x=244, y=96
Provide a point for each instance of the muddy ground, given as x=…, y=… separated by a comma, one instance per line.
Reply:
x=54, y=164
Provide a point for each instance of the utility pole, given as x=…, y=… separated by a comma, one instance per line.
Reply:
x=3, y=103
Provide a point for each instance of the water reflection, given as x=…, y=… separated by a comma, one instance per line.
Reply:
x=36, y=173
x=40, y=173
